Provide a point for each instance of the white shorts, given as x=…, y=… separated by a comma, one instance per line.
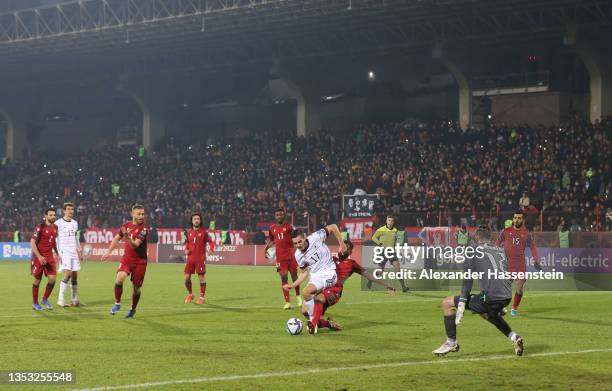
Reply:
x=324, y=279
x=69, y=261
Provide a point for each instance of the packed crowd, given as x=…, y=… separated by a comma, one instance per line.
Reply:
x=421, y=172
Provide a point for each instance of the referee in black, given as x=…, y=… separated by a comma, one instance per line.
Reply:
x=489, y=303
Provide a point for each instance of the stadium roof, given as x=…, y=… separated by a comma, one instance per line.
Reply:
x=217, y=33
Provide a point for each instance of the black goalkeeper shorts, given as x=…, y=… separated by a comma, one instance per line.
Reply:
x=478, y=305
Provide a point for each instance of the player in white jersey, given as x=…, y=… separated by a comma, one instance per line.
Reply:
x=69, y=251
x=315, y=260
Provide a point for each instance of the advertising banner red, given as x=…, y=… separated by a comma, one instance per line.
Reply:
x=169, y=235
x=357, y=228
x=237, y=238
x=223, y=254
x=232, y=255
x=174, y=235
x=100, y=235
x=95, y=251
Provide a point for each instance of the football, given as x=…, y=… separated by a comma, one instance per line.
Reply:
x=271, y=253
x=294, y=326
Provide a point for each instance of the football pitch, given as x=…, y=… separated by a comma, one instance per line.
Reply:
x=237, y=340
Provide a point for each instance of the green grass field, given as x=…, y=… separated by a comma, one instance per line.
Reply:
x=238, y=339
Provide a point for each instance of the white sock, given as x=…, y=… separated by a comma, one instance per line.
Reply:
x=74, y=293
x=62, y=290
x=513, y=336
x=310, y=306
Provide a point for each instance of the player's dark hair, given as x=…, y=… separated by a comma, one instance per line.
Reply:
x=279, y=210
x=67, y=204
x=137, y=206
x=49, y=209
x=349, y=245
x=483, y=233
x=519, y=212
x=349, y=248
x=390, y=216
x=296, y=232
x=195, y=214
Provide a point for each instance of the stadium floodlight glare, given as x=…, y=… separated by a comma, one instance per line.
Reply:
x=371, y=75
x=489, y=116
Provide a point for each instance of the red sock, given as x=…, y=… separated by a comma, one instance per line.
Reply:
x=48, y=290
x=318, y=311
x=324, y=323
x=188, y=286
x=286, y=295
x=202, y=289
x=34, y=294
x=118, y=293
x=135, y=298
x=517, y=301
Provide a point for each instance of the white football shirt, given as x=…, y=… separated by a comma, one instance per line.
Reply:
x=67, y=241
x=317, y=256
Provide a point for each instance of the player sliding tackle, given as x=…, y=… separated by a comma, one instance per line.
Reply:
x=315, y=260
x=134, y=260
x=345, y=267
x=489, y=303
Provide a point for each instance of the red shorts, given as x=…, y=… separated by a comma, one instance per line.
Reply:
x=135, y=270
x=516, y=267
x=195, y=267
x=37, y=269
x=332, y=295
x=285, y=265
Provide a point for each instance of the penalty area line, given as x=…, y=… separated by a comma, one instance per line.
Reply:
x=265, y=375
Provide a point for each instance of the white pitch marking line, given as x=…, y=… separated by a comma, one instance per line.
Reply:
x=265, y=375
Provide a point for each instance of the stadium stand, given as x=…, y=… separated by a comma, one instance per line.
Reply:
x=427, y=174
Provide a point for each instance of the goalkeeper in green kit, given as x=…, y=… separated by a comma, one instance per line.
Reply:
x=389, y=236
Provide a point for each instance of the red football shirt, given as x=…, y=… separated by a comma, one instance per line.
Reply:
x=281, y=236
x=346, y=268
x=196, y=243
x=514, y=242
x=45, y=237
x=138, y=254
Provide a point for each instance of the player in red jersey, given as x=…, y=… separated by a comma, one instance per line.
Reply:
x=134, y=260
x=514, y=240
x=195, y=251
x=43, y=258
x=345, y=267
x=280, y=237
